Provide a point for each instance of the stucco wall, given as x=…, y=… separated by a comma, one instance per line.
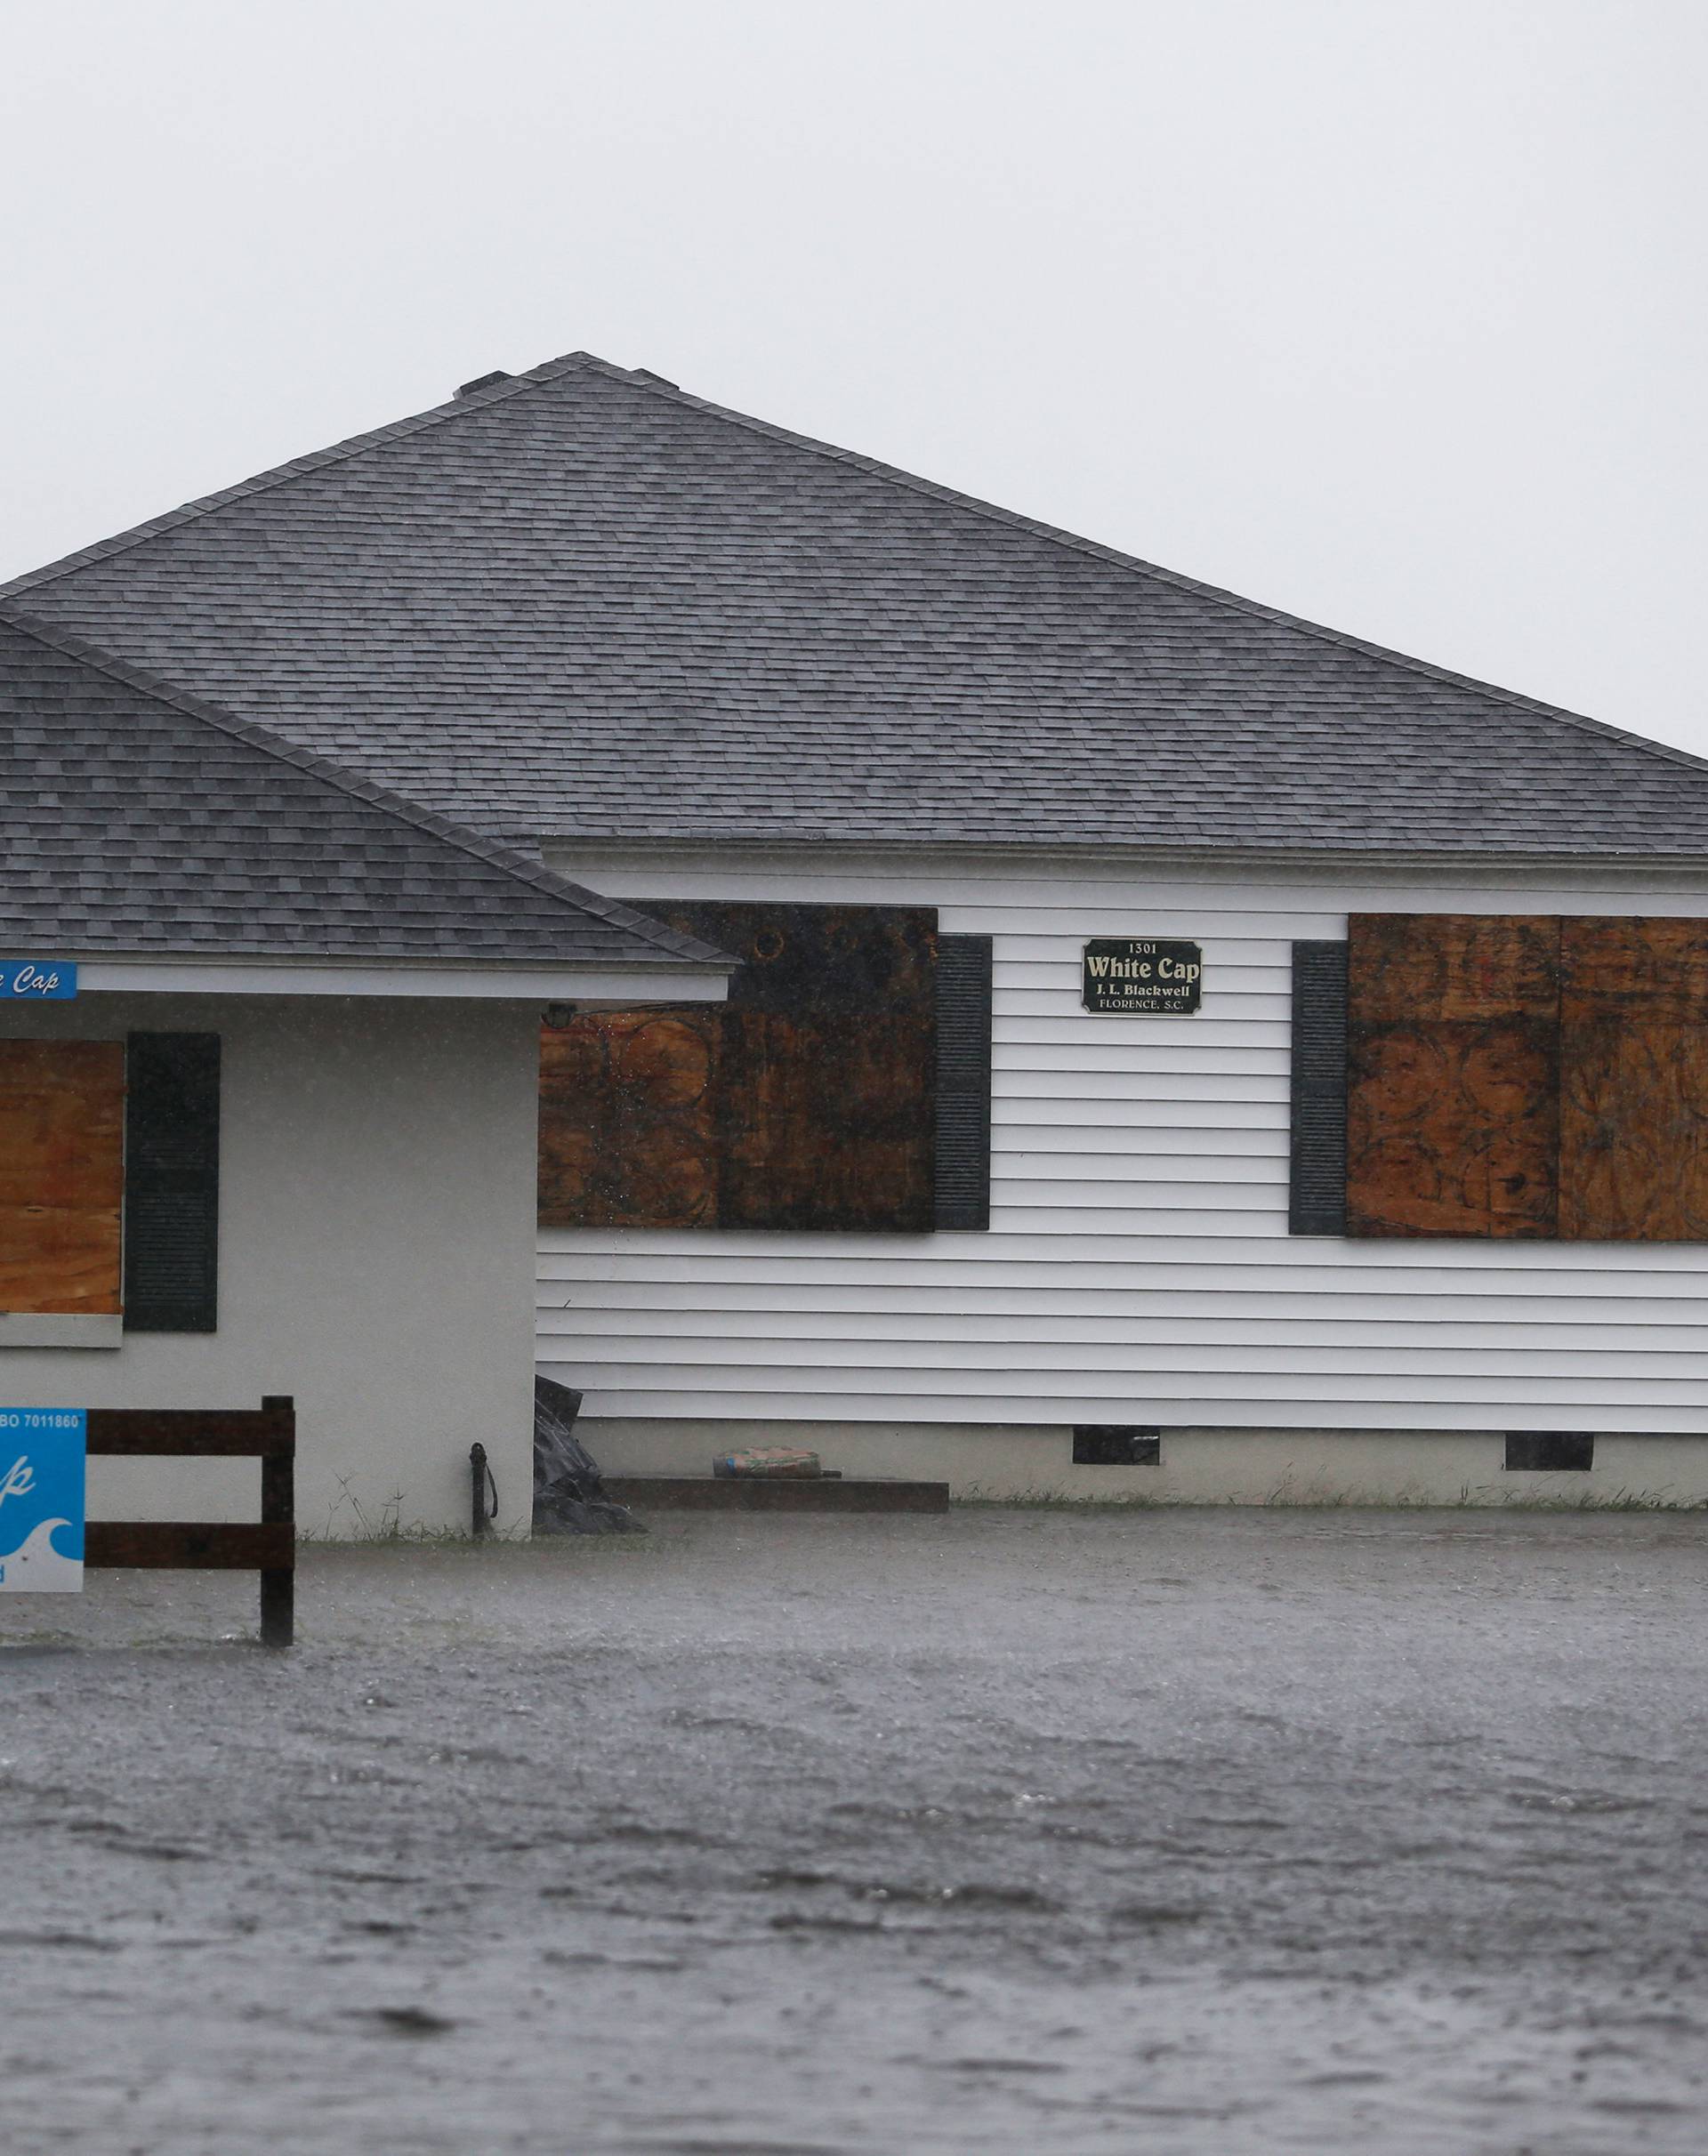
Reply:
x=376, y=1259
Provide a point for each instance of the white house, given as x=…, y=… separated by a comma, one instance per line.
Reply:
x=281, y=1138
x=1404, y=1192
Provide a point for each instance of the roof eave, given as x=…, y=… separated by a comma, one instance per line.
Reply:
x=611, y=984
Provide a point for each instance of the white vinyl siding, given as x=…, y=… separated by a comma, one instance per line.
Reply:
x=1138, y=1266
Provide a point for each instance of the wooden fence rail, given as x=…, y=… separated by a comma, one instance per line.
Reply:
x=267, y=1546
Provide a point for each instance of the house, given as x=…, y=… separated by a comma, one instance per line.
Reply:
x=268, y=1045
x=1179, y=1049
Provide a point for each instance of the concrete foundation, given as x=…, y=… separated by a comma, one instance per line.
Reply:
x=1198, y=1467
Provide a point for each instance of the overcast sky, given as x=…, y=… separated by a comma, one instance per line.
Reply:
x=1388, y=311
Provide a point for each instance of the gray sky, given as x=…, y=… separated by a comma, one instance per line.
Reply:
x=1388, y=311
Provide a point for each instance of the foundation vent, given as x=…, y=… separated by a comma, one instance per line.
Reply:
x=1550, y=1451
x=1098, y=1445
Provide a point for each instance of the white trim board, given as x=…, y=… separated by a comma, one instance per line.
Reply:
x=61, y=1328
x=615, y=986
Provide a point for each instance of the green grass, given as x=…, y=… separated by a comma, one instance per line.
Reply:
x=1590, y=1500
x=1051, y=1500
x=1283, y=1498
x=349, y=1524
x=348, y=1520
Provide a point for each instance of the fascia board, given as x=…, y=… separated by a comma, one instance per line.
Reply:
x=614, y=985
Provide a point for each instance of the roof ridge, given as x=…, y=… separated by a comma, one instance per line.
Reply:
x=647, y=383
x=1096, y=549
x=506, y=859
x=295, y=468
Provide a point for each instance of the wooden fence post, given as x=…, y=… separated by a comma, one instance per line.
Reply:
x=279, y=1509
x=267, y=1546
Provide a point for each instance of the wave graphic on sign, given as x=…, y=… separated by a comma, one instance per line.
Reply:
x=36, y=1568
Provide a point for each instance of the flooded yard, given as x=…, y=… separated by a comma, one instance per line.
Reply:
x=1014, y=1831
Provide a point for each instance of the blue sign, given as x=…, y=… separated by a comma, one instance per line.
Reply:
x=38, y=980
x=42, y=1453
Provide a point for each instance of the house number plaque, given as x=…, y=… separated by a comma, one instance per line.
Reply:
x=1141, y=976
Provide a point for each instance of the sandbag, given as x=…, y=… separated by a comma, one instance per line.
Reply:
x=769, y=1460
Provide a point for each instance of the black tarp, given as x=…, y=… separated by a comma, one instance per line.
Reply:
x=568, y=1493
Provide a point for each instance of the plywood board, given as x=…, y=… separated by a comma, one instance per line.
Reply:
x=1634, y=1081
x=62, y=1175
x=808, y=1102
x=1453, y=1119
x=1421, y=968
x=1453, y=1130
x=628, y=1126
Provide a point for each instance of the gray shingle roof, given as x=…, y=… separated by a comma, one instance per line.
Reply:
x=580, y=603
x=134, y=819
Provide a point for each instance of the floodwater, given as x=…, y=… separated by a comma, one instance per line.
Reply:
x=1012, y=1831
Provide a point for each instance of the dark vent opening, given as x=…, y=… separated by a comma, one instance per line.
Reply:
x=484, y=382
x=1098, y=1445
x=1550, y=1451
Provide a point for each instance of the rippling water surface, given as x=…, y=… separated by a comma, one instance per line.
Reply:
x=1012, y=1831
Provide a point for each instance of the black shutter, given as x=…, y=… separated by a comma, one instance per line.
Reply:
x=1317, y=1204
x=964, y=1080
x=172, y=1182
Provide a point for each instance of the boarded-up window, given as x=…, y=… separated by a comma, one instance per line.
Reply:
x=1634, y=1133
x=806, y=1102
x=628, y=1121
x=1452, y=1120
x=61, y=1174
x=1527, y=1076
